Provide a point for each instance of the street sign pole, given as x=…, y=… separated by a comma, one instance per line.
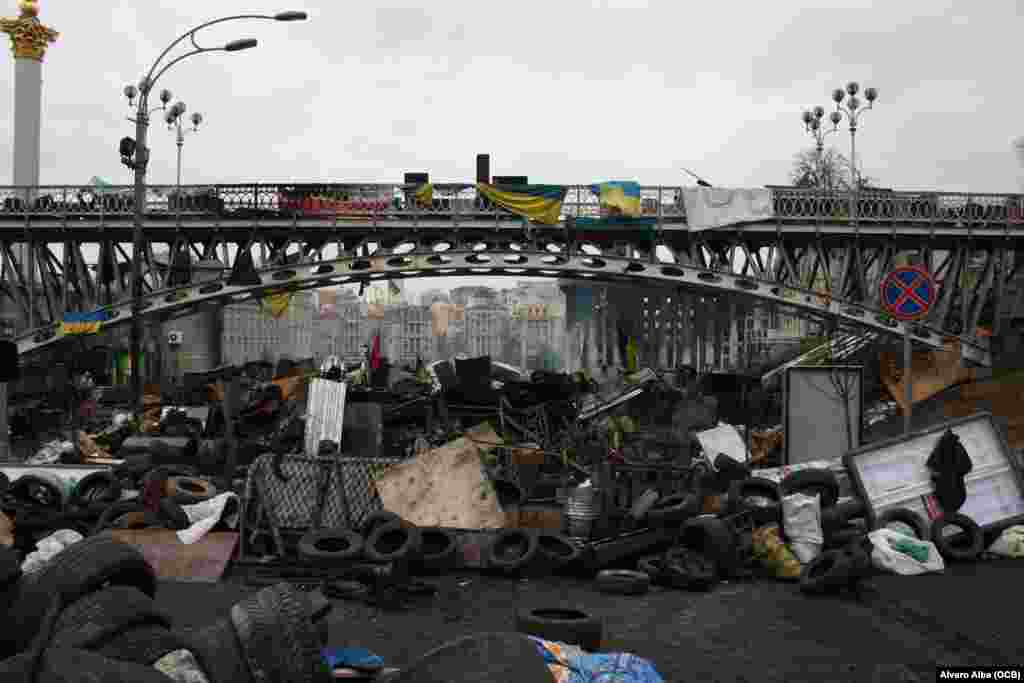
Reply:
x=908, y=381
x=907, y=293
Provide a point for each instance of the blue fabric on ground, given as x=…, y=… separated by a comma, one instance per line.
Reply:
x=352, y=658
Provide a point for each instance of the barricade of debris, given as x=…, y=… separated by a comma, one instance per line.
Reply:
x=365, y=484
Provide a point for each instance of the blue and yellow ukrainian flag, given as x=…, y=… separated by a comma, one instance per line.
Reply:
x=619, y=196
x=83, y=323
x=424, y=194
x=539, y=203
x=276, y=304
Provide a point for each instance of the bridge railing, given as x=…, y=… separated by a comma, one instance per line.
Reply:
x=898, y=207
x=385, y=201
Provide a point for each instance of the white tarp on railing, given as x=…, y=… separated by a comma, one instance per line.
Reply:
x=714, y=207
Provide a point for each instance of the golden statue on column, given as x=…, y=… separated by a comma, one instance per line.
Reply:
x=29, y=38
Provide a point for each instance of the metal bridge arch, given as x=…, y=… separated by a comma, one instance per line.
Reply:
x=412, y=255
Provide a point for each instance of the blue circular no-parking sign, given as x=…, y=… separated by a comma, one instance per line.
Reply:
x=907, y=293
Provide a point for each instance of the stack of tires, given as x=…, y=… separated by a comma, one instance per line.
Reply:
x=90, y=614
x=40, y=503
x=384, y=537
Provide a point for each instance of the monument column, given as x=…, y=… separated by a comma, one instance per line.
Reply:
x=29, y=40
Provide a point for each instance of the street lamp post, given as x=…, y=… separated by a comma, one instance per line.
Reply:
x=173, y=120
x=812, y=124
x=141, y=159
x=853, y=108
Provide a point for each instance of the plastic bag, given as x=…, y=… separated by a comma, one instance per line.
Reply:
x=1010, y=543
x=48, y=548
x=801, y=518
x=889, y=553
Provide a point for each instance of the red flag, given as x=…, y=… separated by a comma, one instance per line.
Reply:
x=375, y=353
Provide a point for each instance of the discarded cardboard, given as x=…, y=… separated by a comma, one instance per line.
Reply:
x=203, y=561
x=1001, y=397
x=930, y=372
x=446, y=486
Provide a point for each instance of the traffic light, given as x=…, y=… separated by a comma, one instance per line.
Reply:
x=128, y=152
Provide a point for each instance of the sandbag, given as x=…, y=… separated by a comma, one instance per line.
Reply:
x=801, y=517
x=902, y=554
x=1010, y=543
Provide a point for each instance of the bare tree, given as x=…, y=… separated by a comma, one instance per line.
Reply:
x=828, y=171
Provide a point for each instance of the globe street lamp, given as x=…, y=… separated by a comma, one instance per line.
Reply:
x=853, y=108
x=139, y=159
x=173, y=120
x=812, y=124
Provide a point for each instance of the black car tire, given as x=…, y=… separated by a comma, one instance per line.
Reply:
x=377, y=519
x=673, y=510
x=571, y=626
x=651, y=566
x=555, y=550
x=393, y=541
x=827, y=572
x=116, y=510
x=97, y=487
x=904, y=516
x=623, y=582
x=439, y=550
x=189, y=490
x=328, y=547
x=841, y=514
x=498, y=556
x=713, y=538
x=741, y=490
x=94, y=618
x=173, y=515
x=843, y=536
x=689, y=570
x=79, y=569
x=810, y=482
x=962, y=547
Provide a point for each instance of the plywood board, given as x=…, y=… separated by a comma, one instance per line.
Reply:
x=815, y=419
x=446, y=486
x=204, y=561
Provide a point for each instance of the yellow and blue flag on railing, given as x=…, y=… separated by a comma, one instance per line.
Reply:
x=539, y=203
x=424, y=194
x=276, y=304
x=619, y=197
x=83, y=323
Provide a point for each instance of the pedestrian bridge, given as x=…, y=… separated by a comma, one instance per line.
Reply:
x=821, y=254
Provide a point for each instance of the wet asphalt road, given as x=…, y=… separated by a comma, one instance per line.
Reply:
x=896, y=629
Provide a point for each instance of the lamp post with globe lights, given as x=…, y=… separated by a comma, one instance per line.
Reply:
x=173, y=119
x=853, y=108
x=135, y=154
x=812, y=124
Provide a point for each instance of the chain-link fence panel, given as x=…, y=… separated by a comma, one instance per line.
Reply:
x=300, y=492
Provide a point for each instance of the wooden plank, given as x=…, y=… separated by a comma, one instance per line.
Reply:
x=204, y=561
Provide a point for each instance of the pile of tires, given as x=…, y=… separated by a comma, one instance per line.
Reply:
x=90, y=614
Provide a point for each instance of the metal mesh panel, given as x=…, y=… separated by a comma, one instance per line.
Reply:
x=344, y=485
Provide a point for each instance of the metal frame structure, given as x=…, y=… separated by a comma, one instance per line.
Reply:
x=321, y=235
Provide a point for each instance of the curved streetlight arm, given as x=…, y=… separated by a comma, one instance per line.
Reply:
x=853, y=114
x=190, y=34
x=198, y=50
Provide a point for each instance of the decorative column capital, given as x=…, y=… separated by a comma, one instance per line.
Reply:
x=29, y=38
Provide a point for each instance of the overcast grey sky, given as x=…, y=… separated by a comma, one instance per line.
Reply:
x=564, y=91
